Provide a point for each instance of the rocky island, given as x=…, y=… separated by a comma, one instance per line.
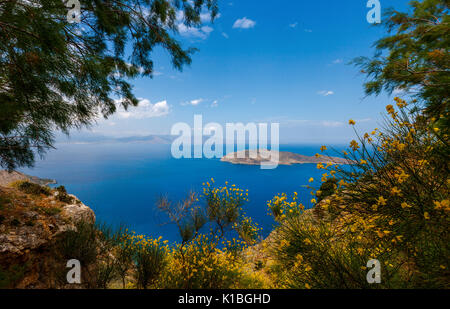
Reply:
x=256, y=157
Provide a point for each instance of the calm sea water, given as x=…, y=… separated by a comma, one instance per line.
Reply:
x=122, y=182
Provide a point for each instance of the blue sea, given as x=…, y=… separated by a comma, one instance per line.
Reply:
x=122, y=182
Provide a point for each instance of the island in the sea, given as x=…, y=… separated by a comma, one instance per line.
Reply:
x=256, y=157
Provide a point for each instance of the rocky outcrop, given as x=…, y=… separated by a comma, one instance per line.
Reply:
x=19, y=239
x=30, y=225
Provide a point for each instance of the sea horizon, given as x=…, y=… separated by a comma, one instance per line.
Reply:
x=122, y=182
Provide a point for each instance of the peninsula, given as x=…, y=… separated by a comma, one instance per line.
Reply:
x=256, y=157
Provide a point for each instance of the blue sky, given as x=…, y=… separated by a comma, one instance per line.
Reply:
x=266, y=61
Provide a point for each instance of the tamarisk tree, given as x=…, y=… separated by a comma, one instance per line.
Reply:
x=414, y=57
x=58, y=75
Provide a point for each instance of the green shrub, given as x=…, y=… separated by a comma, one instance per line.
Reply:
x=10, y=276
x=327, y=189
x=123, y=252
x=80, y=244
x=62, y=195
x=150, y=261
x=311, y=255
x=32, y=188
x=51, y=211
x=392, y=205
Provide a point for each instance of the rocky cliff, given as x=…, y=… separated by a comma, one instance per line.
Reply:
x=32, y=217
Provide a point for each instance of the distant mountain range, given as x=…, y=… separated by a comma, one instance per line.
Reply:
x=93, y=138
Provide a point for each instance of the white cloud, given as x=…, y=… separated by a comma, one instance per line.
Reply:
x=206, y=17
x=244, y=23
x=325, y=93
x=337, y=61
x=193, y=102
x=144, y=110
x=293, y=25
x=215, y=103
x=308, y=30
x=195, y=32
x=225, y=35
x=200, y=33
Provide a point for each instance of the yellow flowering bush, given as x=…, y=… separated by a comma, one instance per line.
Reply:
x=210, y=260
x=281, y=207
x=203, y=264
x=391, y=204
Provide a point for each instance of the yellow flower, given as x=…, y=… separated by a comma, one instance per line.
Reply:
x=323, y=148
x=311, y=179
x=363, y=162
x=426, y=215
x=390, y=109
x=405, y=205
x=395, y=191
x=382, y=201
x=351, y=122
x=354, y=145
x=307, y=286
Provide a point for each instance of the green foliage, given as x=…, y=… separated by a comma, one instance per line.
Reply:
x=10, y=276
x=392, y=204
x=414, y=56
x=247, y=230
x=124, y=252
x=327, y=189
x=150, y=260
x=31, y=188
x=310, y=256
x=50, y=211
x=200, y=264
x=221, y=211
x=60, y=75
x=62, y=195
x=80, y=244
x=209, y=260
x=281, y=207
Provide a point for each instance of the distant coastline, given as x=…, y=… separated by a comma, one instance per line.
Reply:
x=254, y=157
x=9, y=177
